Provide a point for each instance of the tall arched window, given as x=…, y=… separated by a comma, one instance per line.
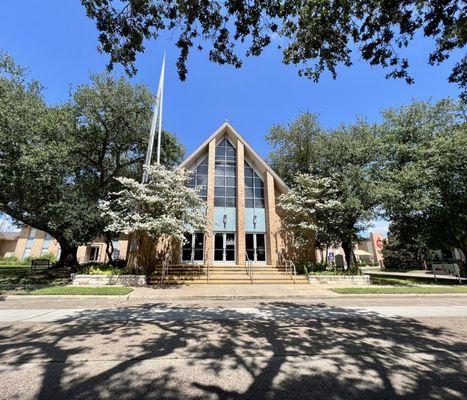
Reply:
x=225, y=192
x=254, y=188
x=199, y=178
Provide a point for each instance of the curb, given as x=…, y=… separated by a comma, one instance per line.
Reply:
x=62, y=297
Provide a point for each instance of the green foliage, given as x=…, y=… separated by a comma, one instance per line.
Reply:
x=309, y=210
x=424, y=179
x=333, y=272
x=401, y=290
x=102, y=269
x=11, y=261
x=25, y=276
x=408, y=245
x=37, y=172
x=316, y=35
x=346, y=157
x=80, y=291
x=48, y=256
x=58, y=162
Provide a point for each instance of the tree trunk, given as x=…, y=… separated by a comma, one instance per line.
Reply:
x=67, y=255
x=347, y=247
x=109, y=249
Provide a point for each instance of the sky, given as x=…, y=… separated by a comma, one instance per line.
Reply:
x=58, y=43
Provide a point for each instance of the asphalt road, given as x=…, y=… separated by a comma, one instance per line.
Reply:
x=335, y=348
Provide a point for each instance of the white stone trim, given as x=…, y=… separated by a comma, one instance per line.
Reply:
x=105, y=280
x=346, y=280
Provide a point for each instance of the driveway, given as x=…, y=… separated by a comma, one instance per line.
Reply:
x=333, y=348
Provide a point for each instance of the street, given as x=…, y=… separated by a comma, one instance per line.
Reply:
x=311, y=348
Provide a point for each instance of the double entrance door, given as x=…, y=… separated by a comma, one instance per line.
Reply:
x=224, y=247
x=255, y=247
x=193, y=248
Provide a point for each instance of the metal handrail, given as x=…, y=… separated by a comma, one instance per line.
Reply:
x=249, y=267
x=290, y=269
x=165, y=270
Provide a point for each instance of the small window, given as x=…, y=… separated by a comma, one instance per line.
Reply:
x=94, y=253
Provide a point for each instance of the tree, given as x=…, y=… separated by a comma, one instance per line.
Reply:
x=295, y=146
x=57, y=163
x=162, y=206
x=408, y=245
x=346, y=156
x=310, y=210
x=317, y=35
x=111, y=137
x=424, y=171
x=37, y=176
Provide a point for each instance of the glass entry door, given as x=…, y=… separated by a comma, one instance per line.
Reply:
x=255, y=245
x=193, y=249
x=224, y=247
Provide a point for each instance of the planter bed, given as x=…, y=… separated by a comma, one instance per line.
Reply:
x=357, y=280
x=104, y=280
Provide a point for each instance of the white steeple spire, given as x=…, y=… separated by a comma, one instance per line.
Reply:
x=156, y=121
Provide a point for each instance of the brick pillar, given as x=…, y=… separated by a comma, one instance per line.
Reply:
x=271, y=219
x=209, y=242
x=37, y=244
x=240, y=204
x=21, y=243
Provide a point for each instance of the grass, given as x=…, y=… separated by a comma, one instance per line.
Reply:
x=401, y=290
x=25, y=276
x=80, y=290
x=409, y=281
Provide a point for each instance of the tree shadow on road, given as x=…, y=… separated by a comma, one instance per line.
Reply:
x=287, y=351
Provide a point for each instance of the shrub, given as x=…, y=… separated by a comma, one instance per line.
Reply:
x=48, y=256
x=348, y=271
x=11, y=261
x=101, y=269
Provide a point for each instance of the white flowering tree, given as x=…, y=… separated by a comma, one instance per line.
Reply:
x=164, y=206
x=310, y=210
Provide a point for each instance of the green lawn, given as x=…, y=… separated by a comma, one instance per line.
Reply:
x=402, y=290
x=80, y=290
x=409, y=281
x=25, y=276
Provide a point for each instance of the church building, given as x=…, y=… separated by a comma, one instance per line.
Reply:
x=240, y=190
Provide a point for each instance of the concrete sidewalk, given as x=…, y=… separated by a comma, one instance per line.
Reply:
x=229, y=291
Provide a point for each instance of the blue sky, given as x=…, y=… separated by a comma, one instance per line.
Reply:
x=56, y=40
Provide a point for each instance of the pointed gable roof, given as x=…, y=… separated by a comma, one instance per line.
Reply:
x=227, y=129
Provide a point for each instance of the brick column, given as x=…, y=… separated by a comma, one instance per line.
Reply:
x=209, y=242
x=240, y=204
x=271, y=219
x=21, y=243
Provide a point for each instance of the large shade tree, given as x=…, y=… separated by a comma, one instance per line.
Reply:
x=346, y=156
x=424, y=172
x=58, y=162
x=112, y=122
x=315, y=35
x=37, y=172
